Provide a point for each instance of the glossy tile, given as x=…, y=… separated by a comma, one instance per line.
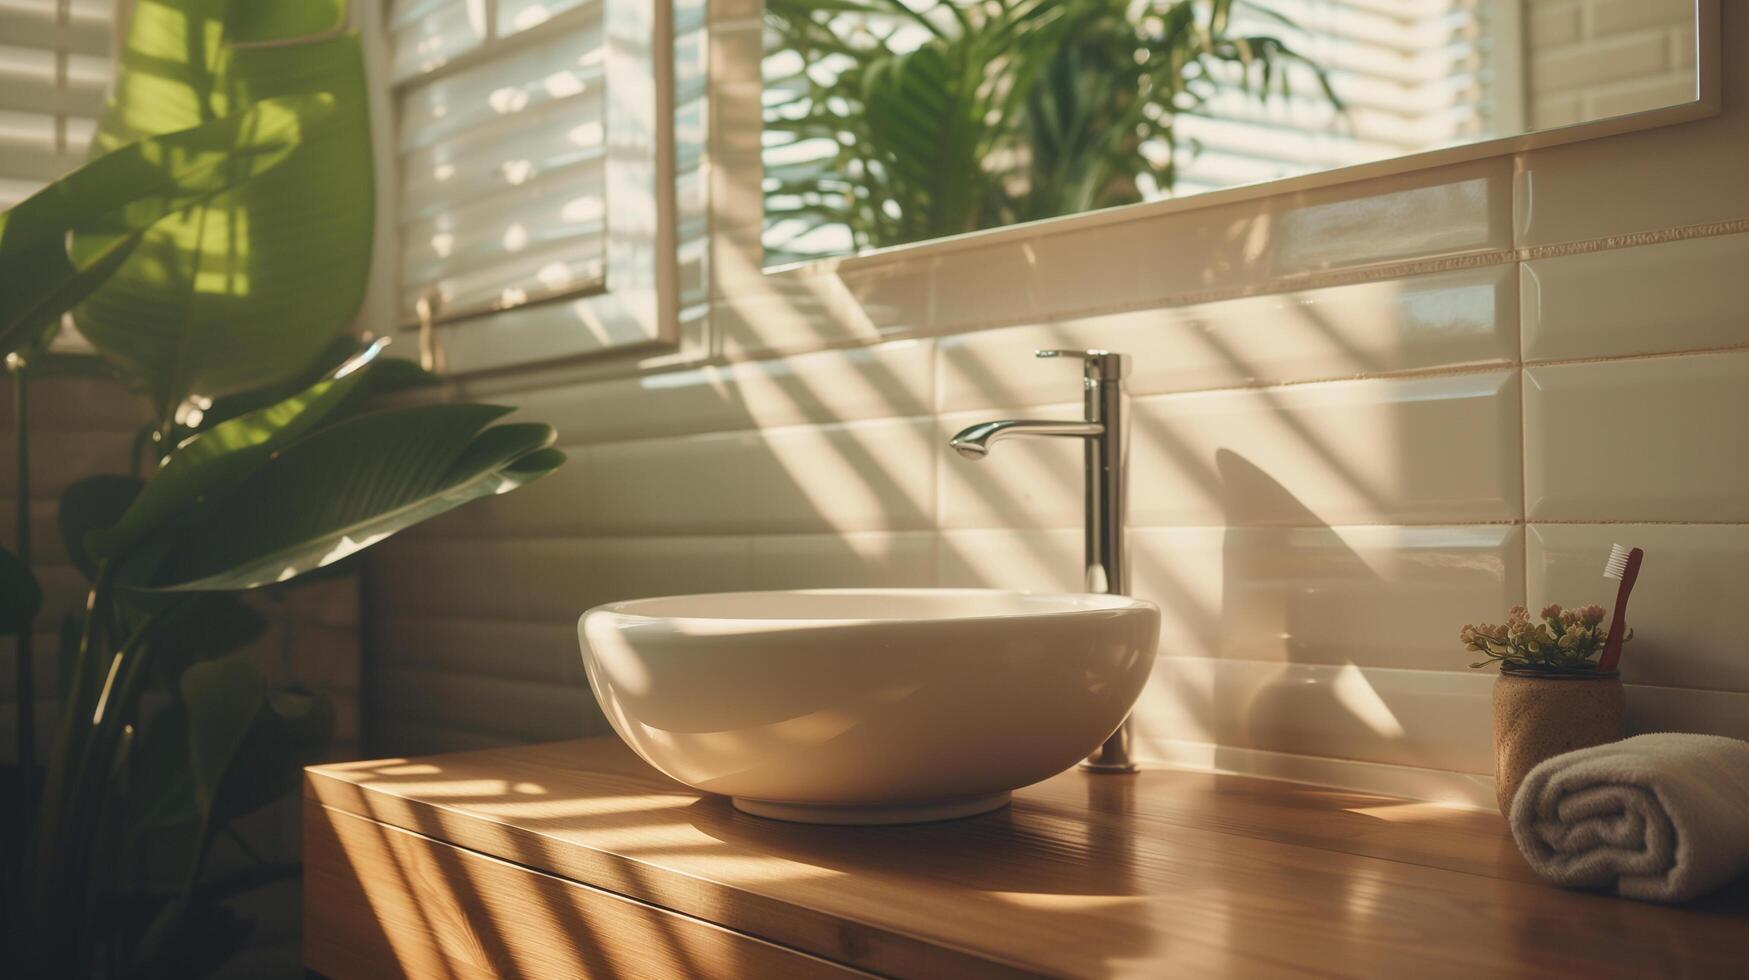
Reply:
x=829, y=304
x=1448, y=319
x=475, y=702
x=1686, y=605
x=1022, y=483
x=1030, y=561
x=1373, y=596
x=490, y=578
x=1685, y=174
x=886, y=380
x=1151, y=259
x=557, y=503
x=991, y=284
x=632, y=568
x=1422, y=450
x=1426, y=719
x=541, y=651
x=1671, y=709
x=550, y=580
x=1427, y=450
x=1682, y=295
x=860, y=476
x=1652, y=439
x=871, y=559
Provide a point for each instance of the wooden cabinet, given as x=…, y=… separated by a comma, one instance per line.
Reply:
x=575, y=859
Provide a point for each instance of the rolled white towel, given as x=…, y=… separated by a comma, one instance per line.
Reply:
x=1661, y=818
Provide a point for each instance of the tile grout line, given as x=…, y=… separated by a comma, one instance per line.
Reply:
x=1643, y=356
x=596, y=537
x=1363, y=274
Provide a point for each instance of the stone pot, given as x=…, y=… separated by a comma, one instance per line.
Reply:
x=1539, y=716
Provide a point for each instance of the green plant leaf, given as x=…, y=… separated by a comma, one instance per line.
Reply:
x=388, y=374
x=193, y=762
x=255, y=22
x=112, y=200
x=20, y=595
x=223, y=697
x=93, y=502
x=204, y=627
x=293, y=730
x=353, y=484
x=212, y=463
x=160, y=789
x=248, y=288
x=190, y=937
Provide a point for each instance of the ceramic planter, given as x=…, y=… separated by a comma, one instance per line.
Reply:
x=1539, y=716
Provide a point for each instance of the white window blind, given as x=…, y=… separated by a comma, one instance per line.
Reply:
x=54, y=73
x=501, y=138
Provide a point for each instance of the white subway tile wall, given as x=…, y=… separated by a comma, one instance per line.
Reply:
x=1342, y=450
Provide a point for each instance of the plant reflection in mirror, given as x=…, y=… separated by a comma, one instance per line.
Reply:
x=214, y=252
x=937, y=117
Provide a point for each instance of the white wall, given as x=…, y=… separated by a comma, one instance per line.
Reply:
x=1364, y=415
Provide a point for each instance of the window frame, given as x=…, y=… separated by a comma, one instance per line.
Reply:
x=634, y=308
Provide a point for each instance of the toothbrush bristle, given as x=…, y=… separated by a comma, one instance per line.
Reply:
x=1617, y=563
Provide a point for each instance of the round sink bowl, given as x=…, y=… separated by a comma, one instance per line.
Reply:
x=867, y=705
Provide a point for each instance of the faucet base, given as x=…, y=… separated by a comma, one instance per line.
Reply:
x=1108, y=768
x=1113, y=755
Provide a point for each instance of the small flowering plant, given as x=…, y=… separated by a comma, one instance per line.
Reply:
x=1566, y=641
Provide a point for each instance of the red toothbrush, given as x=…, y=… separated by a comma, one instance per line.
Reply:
x=1624, y=565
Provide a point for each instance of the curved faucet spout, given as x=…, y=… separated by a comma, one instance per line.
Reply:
x=974, y=441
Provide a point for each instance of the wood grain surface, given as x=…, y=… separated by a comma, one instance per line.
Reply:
x=1166, y=872
x=382, y=902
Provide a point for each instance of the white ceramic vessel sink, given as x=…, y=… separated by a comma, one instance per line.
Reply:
x=867, y=705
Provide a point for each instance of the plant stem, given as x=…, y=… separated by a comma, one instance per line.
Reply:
x=72, y=805
x=26, y=660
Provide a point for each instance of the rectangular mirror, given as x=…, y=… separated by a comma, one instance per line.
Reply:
x=895, y=121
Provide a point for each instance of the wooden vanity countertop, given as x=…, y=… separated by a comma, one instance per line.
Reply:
x=1162, y=873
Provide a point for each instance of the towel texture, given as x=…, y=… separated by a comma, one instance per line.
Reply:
x=1661, y=818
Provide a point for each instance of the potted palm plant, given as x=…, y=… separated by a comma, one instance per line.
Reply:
x=1551, y=696
x=214, y=253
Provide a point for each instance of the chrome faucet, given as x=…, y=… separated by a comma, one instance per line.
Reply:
x=1101, y=431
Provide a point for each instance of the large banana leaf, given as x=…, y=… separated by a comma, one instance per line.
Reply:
x=95, y=502
x=210, y=464
x=352, y=484
x=114, y=198
x=249, y=288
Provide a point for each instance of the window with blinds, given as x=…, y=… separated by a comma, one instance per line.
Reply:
x=54, y=73
x=501, y=137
